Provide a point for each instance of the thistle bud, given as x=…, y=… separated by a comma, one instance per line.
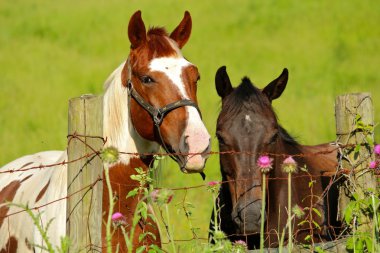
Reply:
x=289, y=165
x=110, y=155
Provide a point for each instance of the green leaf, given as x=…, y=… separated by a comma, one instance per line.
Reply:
x=317, y=212
x=302, y=222
x=369, y=140
x=350, y=243
x=348, y=214
x=156, y=248
x=142, y=236
x=359, y=246
x=357, y=148
x=144, y=213
x=358, y=118
x=307, y=238
x=136, y=177
x=140, y=249
x=318, y=249
x=151, y=235
x=368, y=242
x=316, y=224
x=132, y=193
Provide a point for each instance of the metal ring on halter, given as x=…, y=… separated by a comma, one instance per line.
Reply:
x=158, y=117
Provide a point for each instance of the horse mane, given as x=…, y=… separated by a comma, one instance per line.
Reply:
x=249, y=97
x=116, y=111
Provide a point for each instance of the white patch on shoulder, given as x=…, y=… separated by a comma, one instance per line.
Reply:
x=248, y=118
x=172, y=67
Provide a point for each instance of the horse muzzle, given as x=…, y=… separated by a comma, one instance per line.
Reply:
x=194, y=146
x=247, y=217
x=194, y=162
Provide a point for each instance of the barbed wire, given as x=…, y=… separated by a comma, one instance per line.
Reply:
x=334, y=177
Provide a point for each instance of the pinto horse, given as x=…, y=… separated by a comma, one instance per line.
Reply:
x=248, y=126
x=150, y=100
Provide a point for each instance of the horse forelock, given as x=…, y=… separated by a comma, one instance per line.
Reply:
x=159, y=44
x=245, y=97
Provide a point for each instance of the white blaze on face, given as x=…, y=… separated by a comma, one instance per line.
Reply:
x=172, y=67
x=195, y=136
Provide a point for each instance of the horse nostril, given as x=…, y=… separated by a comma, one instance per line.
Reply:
x=184, y=147
x=207, y=149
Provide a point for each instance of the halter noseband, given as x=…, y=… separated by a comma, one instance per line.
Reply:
x=158, y=114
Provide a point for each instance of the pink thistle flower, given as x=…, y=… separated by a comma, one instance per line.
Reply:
x=377, y=149
x=372, y=164
x=289, y=165
x=265, y=163
x=162, y=196
x=241, y=243
x=212, y=183
x=118, y=219
x=155, y=195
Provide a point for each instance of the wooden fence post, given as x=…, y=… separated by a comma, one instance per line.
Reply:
x=84, y=206
x=353, y=112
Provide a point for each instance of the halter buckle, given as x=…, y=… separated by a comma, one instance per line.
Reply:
x=158, y=116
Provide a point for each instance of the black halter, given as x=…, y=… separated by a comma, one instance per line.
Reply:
x=158, y=114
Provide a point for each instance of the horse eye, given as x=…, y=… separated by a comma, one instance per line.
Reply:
x=146, y=80
x=273, y=138
x=221, y=140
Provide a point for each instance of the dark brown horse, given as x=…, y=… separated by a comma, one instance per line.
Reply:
x=248, y=126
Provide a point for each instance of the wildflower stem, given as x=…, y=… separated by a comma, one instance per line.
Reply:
x=375, y=226
x=169, y=228
x=110, y=210
x=135, y=220
x=262, y=214
x=290, y=243
x=216, y=226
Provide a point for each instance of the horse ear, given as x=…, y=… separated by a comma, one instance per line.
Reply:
x=181, y=33
x=277, y=86
x=136, y=30
x=222, y=82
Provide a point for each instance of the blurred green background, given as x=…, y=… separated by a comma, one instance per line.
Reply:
x=51, y=51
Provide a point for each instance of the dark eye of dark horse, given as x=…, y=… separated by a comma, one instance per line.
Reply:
x=147, y=80
x=273, y=139
x=220, y=139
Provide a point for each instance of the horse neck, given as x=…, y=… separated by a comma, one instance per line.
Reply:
x=118, y=128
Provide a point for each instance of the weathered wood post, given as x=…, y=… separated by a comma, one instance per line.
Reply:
x=84, y=208
x=354, y=117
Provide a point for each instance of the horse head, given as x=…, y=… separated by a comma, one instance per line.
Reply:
x=162, y=88
x=246, y=127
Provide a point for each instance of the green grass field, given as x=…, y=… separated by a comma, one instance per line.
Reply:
x=51, y=51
